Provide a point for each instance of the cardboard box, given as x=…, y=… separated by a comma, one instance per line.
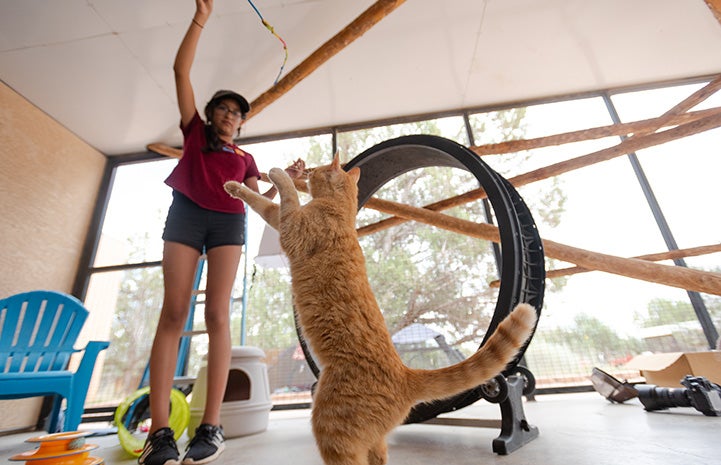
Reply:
x=670, y=368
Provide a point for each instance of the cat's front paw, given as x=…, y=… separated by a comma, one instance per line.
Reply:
x=277, y=175
x=235, y=189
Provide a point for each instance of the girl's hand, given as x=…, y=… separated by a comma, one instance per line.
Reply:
x=203, y=8
x=296, y=169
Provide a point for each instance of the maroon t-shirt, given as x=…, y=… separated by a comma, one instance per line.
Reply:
x=200, y=176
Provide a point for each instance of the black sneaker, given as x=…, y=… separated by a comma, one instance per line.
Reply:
x=160, y=449
x=207, y=444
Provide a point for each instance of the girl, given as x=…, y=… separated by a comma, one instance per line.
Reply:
x=202, y=217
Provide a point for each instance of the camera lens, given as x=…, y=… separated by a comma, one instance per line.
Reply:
x=658, y=398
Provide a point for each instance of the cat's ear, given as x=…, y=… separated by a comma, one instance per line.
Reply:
x=335, y=164
x=354, y=174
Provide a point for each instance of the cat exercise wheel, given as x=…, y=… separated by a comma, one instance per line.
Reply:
x=521, y=265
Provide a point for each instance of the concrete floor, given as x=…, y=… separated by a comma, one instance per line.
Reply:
x=574, y=429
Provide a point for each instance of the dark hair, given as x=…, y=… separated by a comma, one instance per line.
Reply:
x=213, y=141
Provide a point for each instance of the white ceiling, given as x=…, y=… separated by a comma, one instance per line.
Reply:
x=103, y=68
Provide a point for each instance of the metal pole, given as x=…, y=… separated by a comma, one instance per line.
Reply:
x=696, y=300
x=487, y=210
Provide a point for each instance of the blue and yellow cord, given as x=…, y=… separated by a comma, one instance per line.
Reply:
x=272, y=31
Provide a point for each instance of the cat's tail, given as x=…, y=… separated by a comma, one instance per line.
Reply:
x=491, y=359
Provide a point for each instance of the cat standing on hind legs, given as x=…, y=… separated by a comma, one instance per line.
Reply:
x=364, y=389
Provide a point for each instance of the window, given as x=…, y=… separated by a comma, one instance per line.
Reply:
x=589, y=318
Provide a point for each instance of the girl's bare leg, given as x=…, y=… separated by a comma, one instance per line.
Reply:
x=180, y=263
x=222, y=268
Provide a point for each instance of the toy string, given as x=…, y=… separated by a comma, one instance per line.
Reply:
x=272, y=31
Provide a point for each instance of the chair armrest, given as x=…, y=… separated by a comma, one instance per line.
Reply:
x=90, y=354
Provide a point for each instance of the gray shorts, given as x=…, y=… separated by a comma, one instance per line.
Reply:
x=198, y=227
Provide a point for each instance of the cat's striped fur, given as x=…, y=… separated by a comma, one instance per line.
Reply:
x=364, y=389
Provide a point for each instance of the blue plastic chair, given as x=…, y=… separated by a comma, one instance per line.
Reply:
x=38, y=330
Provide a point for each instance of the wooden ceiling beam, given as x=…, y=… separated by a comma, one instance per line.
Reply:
x=345, y=37
x=654, y=257
x=646, y=270
x=164, y=149
x=671, y=117
x=674, y=276
x=627, y=146
x=631, y=144
x=621, y=129
x=715, y=6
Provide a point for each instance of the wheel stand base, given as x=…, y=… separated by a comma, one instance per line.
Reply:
x=515, y=429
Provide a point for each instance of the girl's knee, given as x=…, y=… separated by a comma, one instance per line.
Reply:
x=173, y=318
x=217, y=323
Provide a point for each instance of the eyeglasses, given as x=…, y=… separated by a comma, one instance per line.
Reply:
x=225, y=110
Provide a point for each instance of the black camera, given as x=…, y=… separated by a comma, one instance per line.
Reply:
x=698, y=393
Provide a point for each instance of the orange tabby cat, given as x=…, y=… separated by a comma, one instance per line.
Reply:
x=364, y=390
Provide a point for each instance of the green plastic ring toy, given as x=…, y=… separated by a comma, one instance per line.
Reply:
x=178, y=420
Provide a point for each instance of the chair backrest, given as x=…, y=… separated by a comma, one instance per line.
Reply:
x=38, y=330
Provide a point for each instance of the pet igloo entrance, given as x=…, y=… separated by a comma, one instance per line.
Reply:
x=246, y=405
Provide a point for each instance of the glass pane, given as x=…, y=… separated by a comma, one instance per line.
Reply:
x=281, y=153
x=125, y=306
x=268, y=319
x=431, y=283
x=601, y=208
x=353, y=143
x=639, y=105
x=539, y=121
x=683, y=174
x=270, y=325
x=135, y=217
x=129, y=302
x=314, y=151
x=590, y=318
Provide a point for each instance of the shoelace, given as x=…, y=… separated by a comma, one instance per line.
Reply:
x=206, y=435
x=166, y=440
